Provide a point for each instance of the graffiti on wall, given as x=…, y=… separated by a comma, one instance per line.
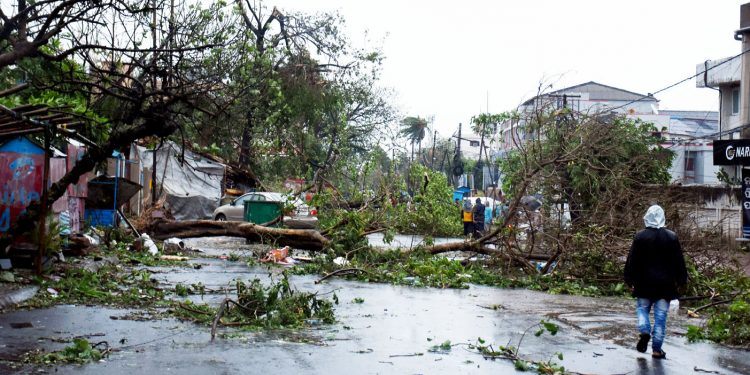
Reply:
x=21, y=176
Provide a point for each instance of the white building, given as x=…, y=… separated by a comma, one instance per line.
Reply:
x=690, y=135
x=724, y=75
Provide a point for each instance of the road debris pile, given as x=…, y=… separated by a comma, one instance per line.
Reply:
x=259, y=306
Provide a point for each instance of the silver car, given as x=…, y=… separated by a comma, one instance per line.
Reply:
x=301, y=218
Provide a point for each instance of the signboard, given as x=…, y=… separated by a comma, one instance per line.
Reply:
x=745, y=203
x=732, y=152
x=21, y=165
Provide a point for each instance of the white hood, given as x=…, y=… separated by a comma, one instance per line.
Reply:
x=654, y=217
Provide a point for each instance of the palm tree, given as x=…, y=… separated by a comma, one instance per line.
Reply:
x=415, y=129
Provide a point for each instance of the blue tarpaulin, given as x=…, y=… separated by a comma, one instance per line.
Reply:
x=461, y=192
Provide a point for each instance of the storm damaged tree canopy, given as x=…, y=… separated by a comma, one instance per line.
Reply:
x=132, y=71
x=598, y=163
x=26, y=27
x=305, y=99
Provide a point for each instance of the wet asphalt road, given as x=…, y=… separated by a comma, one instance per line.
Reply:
x=389, y=333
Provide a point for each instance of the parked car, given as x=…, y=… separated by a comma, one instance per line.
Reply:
x=301, y=217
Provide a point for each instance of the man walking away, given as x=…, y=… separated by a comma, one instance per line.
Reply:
x=467, y=217
x=478, y=219
x=654, y=270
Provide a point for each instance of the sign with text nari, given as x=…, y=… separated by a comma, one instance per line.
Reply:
x=732, y=152
x=745, y=203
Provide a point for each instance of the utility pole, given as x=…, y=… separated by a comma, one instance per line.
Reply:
x=434, y=138
x=457, y=158
x=743, y=34
x=458, y=144
x=153, y=84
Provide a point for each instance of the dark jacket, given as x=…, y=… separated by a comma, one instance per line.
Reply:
x=479, y=213
x=655, y=265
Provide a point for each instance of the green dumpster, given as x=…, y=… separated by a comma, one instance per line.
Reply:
x=261, y=212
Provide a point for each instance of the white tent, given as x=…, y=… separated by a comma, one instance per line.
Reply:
x=193, y=185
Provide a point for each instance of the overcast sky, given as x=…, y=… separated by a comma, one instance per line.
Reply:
x=452, y=60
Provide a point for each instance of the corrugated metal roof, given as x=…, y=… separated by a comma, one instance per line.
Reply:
x=698, y=124
x=697, y=115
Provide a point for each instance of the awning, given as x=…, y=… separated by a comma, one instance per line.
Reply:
x=102, y=188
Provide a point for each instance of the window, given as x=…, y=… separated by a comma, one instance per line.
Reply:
x=241, y=200
x=474, y=143
x=690, y=161
x=735, y=100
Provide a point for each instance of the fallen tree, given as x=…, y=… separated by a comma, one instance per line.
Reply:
x=306, y=239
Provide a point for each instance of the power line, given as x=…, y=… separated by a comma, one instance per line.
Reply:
x=681, y=81
x=711, y=136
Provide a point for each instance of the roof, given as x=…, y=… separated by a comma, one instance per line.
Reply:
x=21, y=145
x=32, y=118
x=718, y=72
x=699, y=124
x=695, y=115
x=600, y=92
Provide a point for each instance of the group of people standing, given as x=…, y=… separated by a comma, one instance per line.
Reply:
x=475, y=218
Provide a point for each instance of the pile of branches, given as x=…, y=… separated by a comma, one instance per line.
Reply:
x=255, y=305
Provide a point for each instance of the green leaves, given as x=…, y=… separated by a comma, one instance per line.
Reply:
x=444, y=347
x=79, y=352
x=695, y=333
x=521, y=365
x=552, y=328
x=260, y=306
x=414, y=128
x=432, y=212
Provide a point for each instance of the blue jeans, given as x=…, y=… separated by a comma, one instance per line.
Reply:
x=642, y=310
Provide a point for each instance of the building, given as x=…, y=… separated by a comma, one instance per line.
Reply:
x=689, y=135
x=588, y=98
x=724, y=75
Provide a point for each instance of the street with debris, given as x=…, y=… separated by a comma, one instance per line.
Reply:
x=394, y=329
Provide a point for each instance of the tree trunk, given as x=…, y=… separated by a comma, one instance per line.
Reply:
x=297, y=238
x=244, y=160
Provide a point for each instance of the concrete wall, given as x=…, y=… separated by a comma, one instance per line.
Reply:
x=708, y=207
x=729, y=120
x=721, y=72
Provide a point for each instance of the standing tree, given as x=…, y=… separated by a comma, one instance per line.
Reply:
x=414, y=129
x=305, y=101
x=485, y=124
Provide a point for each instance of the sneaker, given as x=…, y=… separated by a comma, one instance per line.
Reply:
x=643, y=342
x=659, y=354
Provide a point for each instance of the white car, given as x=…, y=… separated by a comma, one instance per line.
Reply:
x=302, y=217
